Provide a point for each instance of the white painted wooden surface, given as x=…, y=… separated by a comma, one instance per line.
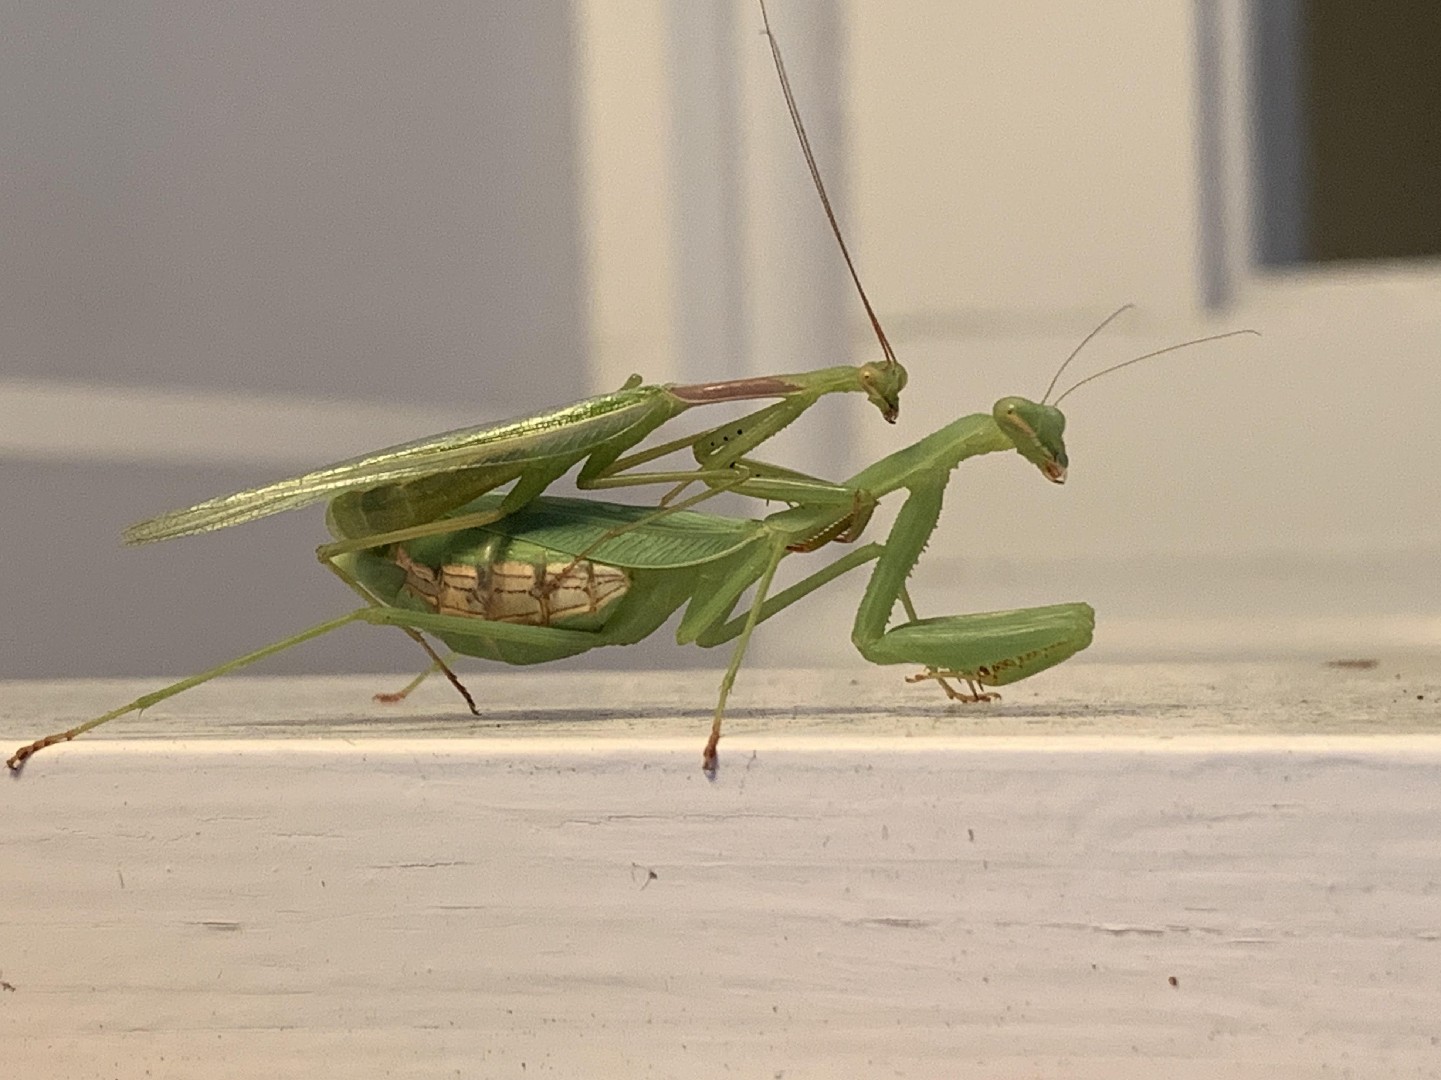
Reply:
x=269, y=877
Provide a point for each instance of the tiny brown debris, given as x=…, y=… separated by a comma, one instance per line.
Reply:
x=1174, y=981
x=1353, y=664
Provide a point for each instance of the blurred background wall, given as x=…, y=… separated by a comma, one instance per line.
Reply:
x=239, y=242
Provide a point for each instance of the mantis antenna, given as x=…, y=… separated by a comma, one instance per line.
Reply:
x=1084, y=342
x=1150, y=356
x=820, y=184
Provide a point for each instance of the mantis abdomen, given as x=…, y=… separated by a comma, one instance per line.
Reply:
x=543, y=590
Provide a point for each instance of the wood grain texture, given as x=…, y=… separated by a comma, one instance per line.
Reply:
x=845, y=900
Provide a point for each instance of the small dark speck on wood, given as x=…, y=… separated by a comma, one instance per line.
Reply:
x=1358, y=664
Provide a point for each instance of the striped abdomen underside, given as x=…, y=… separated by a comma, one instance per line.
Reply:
x=514, y=592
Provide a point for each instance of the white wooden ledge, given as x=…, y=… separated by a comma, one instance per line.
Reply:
x=1181, y=871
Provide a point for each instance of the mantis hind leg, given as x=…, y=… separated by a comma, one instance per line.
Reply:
x=338, y=565
x=18, y=759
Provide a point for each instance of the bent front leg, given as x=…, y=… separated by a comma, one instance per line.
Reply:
x=987, y=649
x=992, y=648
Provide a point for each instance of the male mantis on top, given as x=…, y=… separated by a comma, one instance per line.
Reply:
x=409, y=491
x=403, y=490
x=562, y=576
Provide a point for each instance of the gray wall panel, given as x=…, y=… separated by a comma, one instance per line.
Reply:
x=374, y=200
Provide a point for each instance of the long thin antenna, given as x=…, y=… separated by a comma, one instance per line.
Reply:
x=820, y=184
x=1084, y=341
x=1152, y=355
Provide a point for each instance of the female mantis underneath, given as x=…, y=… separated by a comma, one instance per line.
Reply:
x=562, y=576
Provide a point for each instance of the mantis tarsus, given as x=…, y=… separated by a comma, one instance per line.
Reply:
x=562, y=576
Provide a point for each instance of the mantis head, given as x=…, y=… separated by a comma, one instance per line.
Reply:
x=1037, y=433
x=1036, y=429
x=883, y=383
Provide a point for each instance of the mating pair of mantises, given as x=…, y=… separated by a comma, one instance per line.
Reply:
x=424, y=535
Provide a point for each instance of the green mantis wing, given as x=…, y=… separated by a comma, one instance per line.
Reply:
x=585, y=526
x=567, y=433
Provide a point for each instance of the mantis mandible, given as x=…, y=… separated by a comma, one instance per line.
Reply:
x=560, y=576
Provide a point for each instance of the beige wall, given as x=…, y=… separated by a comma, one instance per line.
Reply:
x=1023, y=158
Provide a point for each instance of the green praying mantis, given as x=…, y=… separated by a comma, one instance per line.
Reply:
x=424, y=537
x=562, y=576
x=414, y=490
x=411, y=490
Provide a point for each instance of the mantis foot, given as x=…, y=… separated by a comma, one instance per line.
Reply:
x=977, y=694
x=17, y=760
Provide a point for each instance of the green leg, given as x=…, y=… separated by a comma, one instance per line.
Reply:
x=708, y=757
x=986, y=649
x=725, y=444
x=912, y=529
x=707, y=624
x=786, y=597
x=664, y=510
x=18, y=759
x=715, y=449
x=377, y=616
x=436, y=663
x=395, y=696
x=526, y=490
x=763, y=608
x=950, y=691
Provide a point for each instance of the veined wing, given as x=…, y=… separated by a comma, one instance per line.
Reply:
x=679, y=539
x=570, y=433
